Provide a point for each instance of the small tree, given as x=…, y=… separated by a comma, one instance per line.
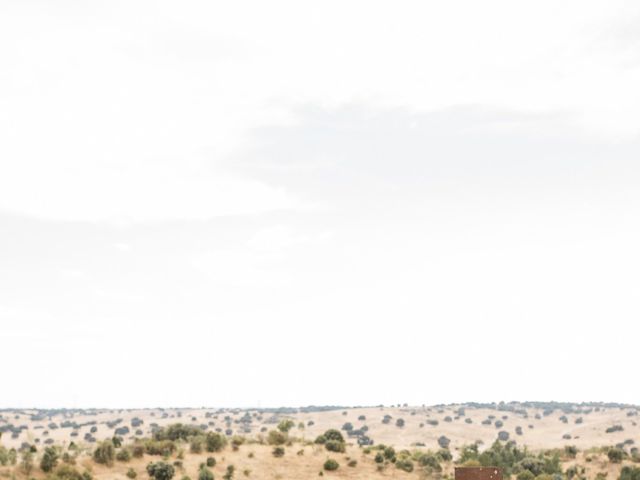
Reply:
x=104, y=453
x=215, y=442
x=26, y=461
x=205, y=474
x=285, y=425
x=49, y=459
x=335, y=446
x=405, y=464
x=161, y=471
x=228, y=475
x=276, y=437
x=331, y=465
x=616, y=455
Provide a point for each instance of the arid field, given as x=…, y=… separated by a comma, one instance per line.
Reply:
x=584, y=441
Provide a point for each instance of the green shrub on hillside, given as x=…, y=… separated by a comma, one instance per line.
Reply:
x=630, y=473
x=405, y=464
x=276, y=437
x=215, y=442
x=49, y=459
x=285, y=425
x=616, y=455
x=331, y=465
x=177, y=431
x=205, y=474
x=161, y=471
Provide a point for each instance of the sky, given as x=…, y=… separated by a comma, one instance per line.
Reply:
x=342, y=202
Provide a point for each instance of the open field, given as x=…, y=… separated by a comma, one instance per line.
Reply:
x=412, y=431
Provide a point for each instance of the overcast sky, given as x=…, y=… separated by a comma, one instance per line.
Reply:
x=289, y=203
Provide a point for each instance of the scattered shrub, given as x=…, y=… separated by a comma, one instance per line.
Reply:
x=430, y=462
x=616, y=455
x=205, y=474
x=331, y=465
x=285, y=425
x=405, y=464
x=228, y=475
x=215, y=442
x=49, y=459
x=444, y=455
x=335, y=446
x=123, y=455
x=571, y=451
x=276, y=437
x=443, y=442
x=177, y=431
x=161, y=471
x=630, y=473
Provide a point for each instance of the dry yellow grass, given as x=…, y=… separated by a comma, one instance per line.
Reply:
x=547, y=433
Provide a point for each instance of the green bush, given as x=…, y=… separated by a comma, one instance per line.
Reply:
x=352, y=463
x=389, y=453
x=26, y=461
x=571, y=451
x=333, y=434
x=177, y=431
x=236, y=441
x=215, y=442
x=276, y=437
x=278, y=452
x=160, y=447
x=525, y=475
x=123, y=455
x=630, y=473
x=285, y=425
x=616, y=455
x=205, y=474
x=404, y=464
x=49, y=459
x=138, y=450
x=228, y=475
x=430, y=462
x=104, y=453
x=67, y=472
x=196, y=444
x=161, y=471
x=331, y=465
x=211, y=462
x=335, y=446
x=444, y=455
x=379, y=458
x=443, y=442
x=131, y=473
